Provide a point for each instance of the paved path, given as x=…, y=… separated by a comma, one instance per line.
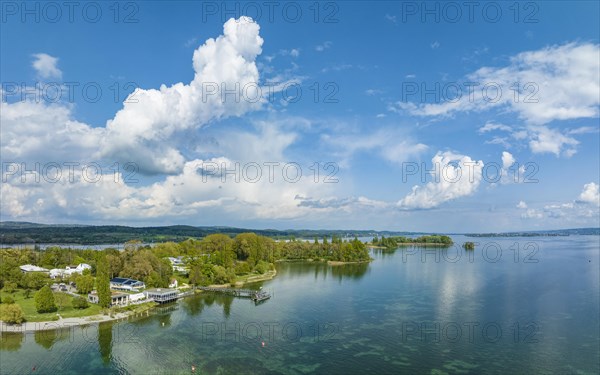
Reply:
x=61, y=323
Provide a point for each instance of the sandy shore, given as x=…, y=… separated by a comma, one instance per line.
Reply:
x=338, y=263
x=269, y=275
x=61, y=323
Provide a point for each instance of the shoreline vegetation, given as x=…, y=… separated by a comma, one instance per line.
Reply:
x=215, y=260
x=398, y=241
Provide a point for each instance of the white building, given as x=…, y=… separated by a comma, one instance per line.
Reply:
x=122, y=283
x=178, y=264
x=27, y=268
x=137, y=297
x=69, y=270
x=78, y=269
x=57, y=273
x=117, y=299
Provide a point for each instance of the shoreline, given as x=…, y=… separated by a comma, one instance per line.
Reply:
x=29, y=327
x=329, y=262
x=63, y=323
x=433, y=244
x=340, y=263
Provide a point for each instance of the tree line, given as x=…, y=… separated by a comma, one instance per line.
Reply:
x=394, y=242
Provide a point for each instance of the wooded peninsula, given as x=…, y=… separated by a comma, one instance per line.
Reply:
x=214, y=259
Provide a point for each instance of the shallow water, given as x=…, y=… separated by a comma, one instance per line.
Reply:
x=514, y=305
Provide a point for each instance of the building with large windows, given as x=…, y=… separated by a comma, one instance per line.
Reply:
x=161, y=295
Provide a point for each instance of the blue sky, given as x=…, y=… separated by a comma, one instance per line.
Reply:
x=348, y=84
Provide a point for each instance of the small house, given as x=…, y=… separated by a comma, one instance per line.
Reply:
x=117, y=299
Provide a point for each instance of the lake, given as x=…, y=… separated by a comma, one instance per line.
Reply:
x=513, y=305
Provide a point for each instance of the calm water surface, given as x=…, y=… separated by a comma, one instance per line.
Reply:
x=514, y=305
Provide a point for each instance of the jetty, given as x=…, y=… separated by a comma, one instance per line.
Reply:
x=255, y=295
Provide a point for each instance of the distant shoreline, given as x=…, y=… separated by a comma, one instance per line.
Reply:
x=23, y=234
x=412, y=244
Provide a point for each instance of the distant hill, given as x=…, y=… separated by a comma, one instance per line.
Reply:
x=13, y=233
x=542, y=233
x=27, y=233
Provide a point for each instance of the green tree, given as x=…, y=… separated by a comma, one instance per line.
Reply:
x=9, y=300
x=220, y=248
x=61, y=300
x=80, y=303
x=133, y=245
x=85, y=284
x=103, y=281
x=115, y=264
x=469, y=246
x=9, y=287
x=44, y=300
x=12, y=314
x=35, y=280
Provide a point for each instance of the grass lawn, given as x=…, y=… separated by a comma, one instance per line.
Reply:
x=66, y=311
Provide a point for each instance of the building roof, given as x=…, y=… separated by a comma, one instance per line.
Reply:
x=124, y=281
x=161, y=290
x=177, y=261
x=32, y=268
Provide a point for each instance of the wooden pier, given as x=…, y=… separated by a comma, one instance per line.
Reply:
x=254, y=295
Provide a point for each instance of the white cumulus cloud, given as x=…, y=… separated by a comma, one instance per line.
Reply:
x=46, y=66
x=143, y=131
x=454, y=176
x=590, y=194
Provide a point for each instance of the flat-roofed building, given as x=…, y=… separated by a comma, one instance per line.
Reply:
x=28, y=268
x=161, y=295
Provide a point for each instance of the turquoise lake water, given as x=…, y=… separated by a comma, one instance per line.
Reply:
x=514, y=305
